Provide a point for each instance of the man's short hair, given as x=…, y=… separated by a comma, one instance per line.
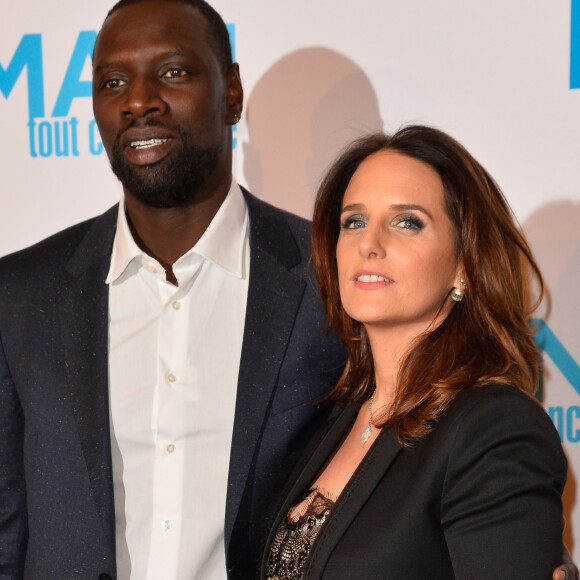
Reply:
x=217, y=31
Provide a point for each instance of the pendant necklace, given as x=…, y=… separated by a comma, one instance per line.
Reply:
x=366, y=434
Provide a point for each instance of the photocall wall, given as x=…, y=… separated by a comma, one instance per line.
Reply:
x=503, y=78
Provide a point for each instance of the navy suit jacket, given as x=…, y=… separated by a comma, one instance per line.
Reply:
x=479, y=498
x=57, y=515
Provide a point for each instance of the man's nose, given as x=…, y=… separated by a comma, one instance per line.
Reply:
x=143, y=97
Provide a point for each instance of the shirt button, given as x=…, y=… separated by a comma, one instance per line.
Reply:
x=171, y=378
x=166, y=524
x=150, y=267
x=175, y=305
x=170, y=448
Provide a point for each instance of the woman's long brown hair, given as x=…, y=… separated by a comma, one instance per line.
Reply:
x=487, y=337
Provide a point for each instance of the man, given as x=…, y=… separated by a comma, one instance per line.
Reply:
x=158, y=363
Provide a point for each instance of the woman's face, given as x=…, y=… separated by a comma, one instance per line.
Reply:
x=396, y=249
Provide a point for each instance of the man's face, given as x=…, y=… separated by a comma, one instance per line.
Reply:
x=163, y=105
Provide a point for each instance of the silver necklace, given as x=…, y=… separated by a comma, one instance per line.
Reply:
x=366, y=434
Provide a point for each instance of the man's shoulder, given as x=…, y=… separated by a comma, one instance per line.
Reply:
x=262, y=208
x=59, y=247
x=270, y=224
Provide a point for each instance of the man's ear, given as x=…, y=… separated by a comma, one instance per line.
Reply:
x=234, y=94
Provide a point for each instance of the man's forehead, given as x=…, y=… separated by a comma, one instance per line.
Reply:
x=155, y=17
x=158, y=6
x=169, y=25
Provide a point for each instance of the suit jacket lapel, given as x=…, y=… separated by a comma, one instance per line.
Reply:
x=274, y=296
x=316, y=455
x=362, y=484
x=84, y=329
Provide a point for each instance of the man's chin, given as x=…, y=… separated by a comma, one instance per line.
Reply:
x=158, y=198
x=146, y=184
x=175, y=181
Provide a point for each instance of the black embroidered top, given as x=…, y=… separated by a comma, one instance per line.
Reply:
x=295, y=535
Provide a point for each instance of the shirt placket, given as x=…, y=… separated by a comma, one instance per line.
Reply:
x=174, y=378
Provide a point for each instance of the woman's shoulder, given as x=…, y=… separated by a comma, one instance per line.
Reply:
x=496, y=416
x=504, y=402
x=499, y=473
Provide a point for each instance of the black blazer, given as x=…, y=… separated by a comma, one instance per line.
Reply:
x=57, y=515
x=478, y=499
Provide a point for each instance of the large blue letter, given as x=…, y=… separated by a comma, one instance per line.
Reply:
x=72, y=87
x=575, y=45
x=29, y=54
x=232, y=34
x=549, y=343
x=572, y=432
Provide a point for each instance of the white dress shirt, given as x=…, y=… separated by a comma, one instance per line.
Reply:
x=174, y=356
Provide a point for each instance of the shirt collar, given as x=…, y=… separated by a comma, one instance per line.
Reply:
x=223, y=242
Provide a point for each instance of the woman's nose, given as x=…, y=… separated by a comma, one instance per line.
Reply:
x=373, y=242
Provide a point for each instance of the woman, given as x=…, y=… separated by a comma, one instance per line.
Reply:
x=438, y=463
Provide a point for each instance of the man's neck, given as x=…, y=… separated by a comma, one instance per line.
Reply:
x=169, y=233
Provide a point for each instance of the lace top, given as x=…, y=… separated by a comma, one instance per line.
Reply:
x=296, y=534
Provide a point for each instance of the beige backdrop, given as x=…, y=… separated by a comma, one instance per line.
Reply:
x=317, y=73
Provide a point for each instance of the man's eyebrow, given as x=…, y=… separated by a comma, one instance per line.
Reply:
x=115, y=63
x=107, y=65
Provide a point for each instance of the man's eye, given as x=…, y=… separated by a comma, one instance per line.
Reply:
x=113, y=83
x=174, y=73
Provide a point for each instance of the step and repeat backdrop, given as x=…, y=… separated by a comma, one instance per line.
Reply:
x=502, y=77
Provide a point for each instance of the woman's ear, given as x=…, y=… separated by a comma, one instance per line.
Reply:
x=459, y=285
x=460, y=280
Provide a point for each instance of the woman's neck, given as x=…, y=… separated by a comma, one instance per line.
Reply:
x=389, y=346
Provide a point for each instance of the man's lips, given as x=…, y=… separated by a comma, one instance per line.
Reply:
x=143, y=137
x=147, y=145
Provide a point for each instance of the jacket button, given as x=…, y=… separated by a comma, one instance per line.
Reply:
x=104, y=577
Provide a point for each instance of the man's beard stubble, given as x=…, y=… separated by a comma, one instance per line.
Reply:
x=175, y=181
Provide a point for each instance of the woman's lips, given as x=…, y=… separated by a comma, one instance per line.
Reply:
x=371, y=280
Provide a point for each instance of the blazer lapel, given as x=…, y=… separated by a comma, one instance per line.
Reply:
x=315, y=456
x=274, y=296
x=84, y=330
x=362, y=484
x=355, y=494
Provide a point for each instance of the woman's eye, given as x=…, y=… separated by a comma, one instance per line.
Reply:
x=409, y=222
x=353, y=223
